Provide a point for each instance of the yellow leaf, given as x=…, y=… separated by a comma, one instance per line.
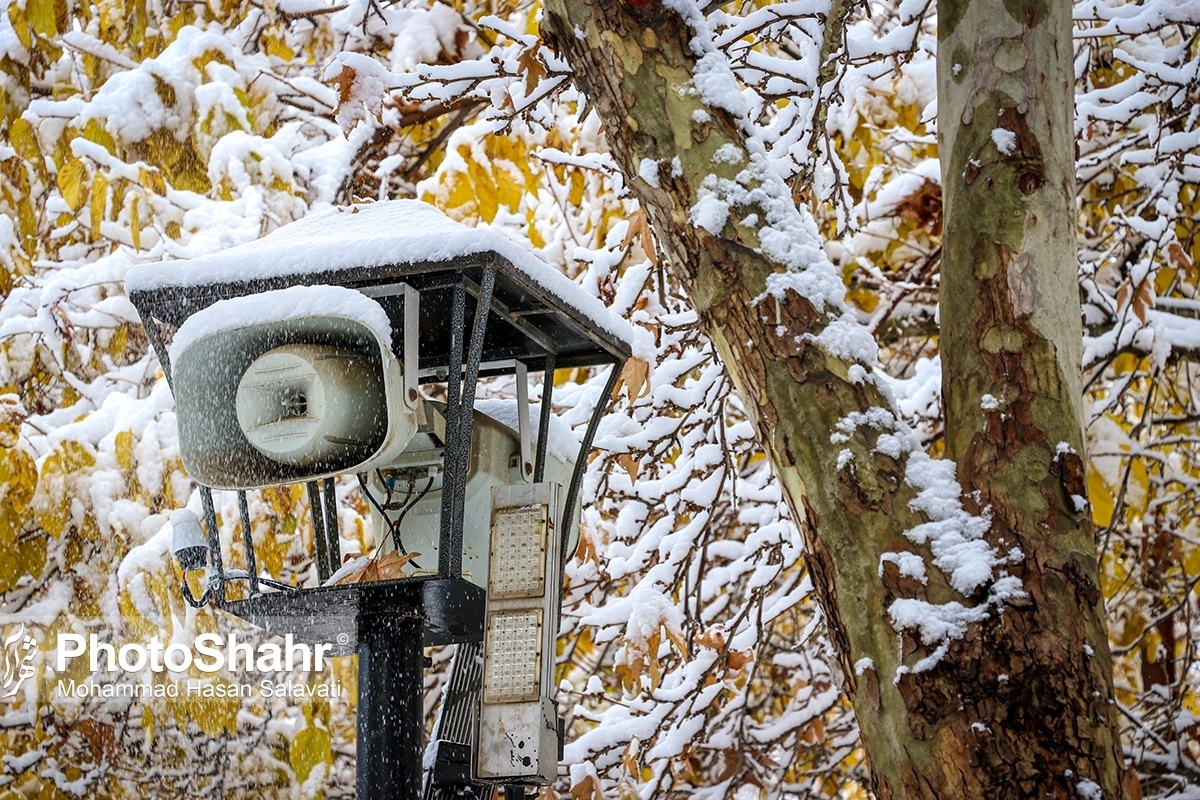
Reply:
x=509, y=190
x=460, y=194
x=118, y=343
x=124, y=450
x=70, y=183
x=1164, y=279
x=276, y=46
x=1125, y=363
x=27, y=223
x=214, y=709
x=310, y=747
x=485, y=190
x=148, y=725
x=24, y=140
x=151, y=180
x=61, y=471
x=95, y=133
x=18, y=481
x=575, y=196
x=865, y=299
x=20, y=25
x=99, y=203
x=1101, y=498
x=42, y=16
x=135, y=225
x=28, y=557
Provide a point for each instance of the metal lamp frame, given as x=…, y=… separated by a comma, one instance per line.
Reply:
x=515, y=326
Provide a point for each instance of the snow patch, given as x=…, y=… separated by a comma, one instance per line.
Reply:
x=648, y=171
x=728, y=154
x=1005, y=141
x=909, y=565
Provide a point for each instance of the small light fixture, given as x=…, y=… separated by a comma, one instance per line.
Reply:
x=190, y=548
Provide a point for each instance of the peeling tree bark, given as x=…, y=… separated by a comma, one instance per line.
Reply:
x=1013, y=334
x=960, y=730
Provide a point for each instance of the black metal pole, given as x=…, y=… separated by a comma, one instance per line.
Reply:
x=539, y=472
x=483, y=307
x=217, y=582
x=391, y=707
x=316, y=507
x=333, y=550
x=448, y=565
x=248, y=541
x=584, y=449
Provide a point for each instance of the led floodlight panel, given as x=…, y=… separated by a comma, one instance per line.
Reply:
x=517, y=737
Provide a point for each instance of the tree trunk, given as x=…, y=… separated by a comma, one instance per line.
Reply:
x=1015, y=707
x=1010, y=343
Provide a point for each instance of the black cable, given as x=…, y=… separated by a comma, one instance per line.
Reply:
x=395, y=529
x=191, y=598
x=362, y=484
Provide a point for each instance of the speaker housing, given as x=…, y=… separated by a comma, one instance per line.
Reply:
x=209, y=371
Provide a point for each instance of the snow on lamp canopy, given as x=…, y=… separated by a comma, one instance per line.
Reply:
x=374, y=234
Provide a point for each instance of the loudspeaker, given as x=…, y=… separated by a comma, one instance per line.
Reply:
x=289, y=401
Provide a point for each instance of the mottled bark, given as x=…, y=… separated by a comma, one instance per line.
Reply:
x=926, y=735
x=1012, y=335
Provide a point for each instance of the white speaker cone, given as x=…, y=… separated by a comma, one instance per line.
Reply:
x=302, y=404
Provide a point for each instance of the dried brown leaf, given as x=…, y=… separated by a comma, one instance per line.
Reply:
x=587, y=789
x=731, y=759
x=532, y=66
x=1143, y=300
x=629, y=756
x=738, y=659
x=1124, y=292
x=1179, y=258
x=713, y=639
x=639, y=228
x=344, y=81
x=388, y=567
x=635, y=377
x=630, y=464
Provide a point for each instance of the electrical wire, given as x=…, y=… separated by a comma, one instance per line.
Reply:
x=395, y=528
x=407, y=505
x=362, y=484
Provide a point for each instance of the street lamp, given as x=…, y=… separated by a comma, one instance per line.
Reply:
x=297, y=358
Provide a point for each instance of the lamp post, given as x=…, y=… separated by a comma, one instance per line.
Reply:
x=299, y=357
